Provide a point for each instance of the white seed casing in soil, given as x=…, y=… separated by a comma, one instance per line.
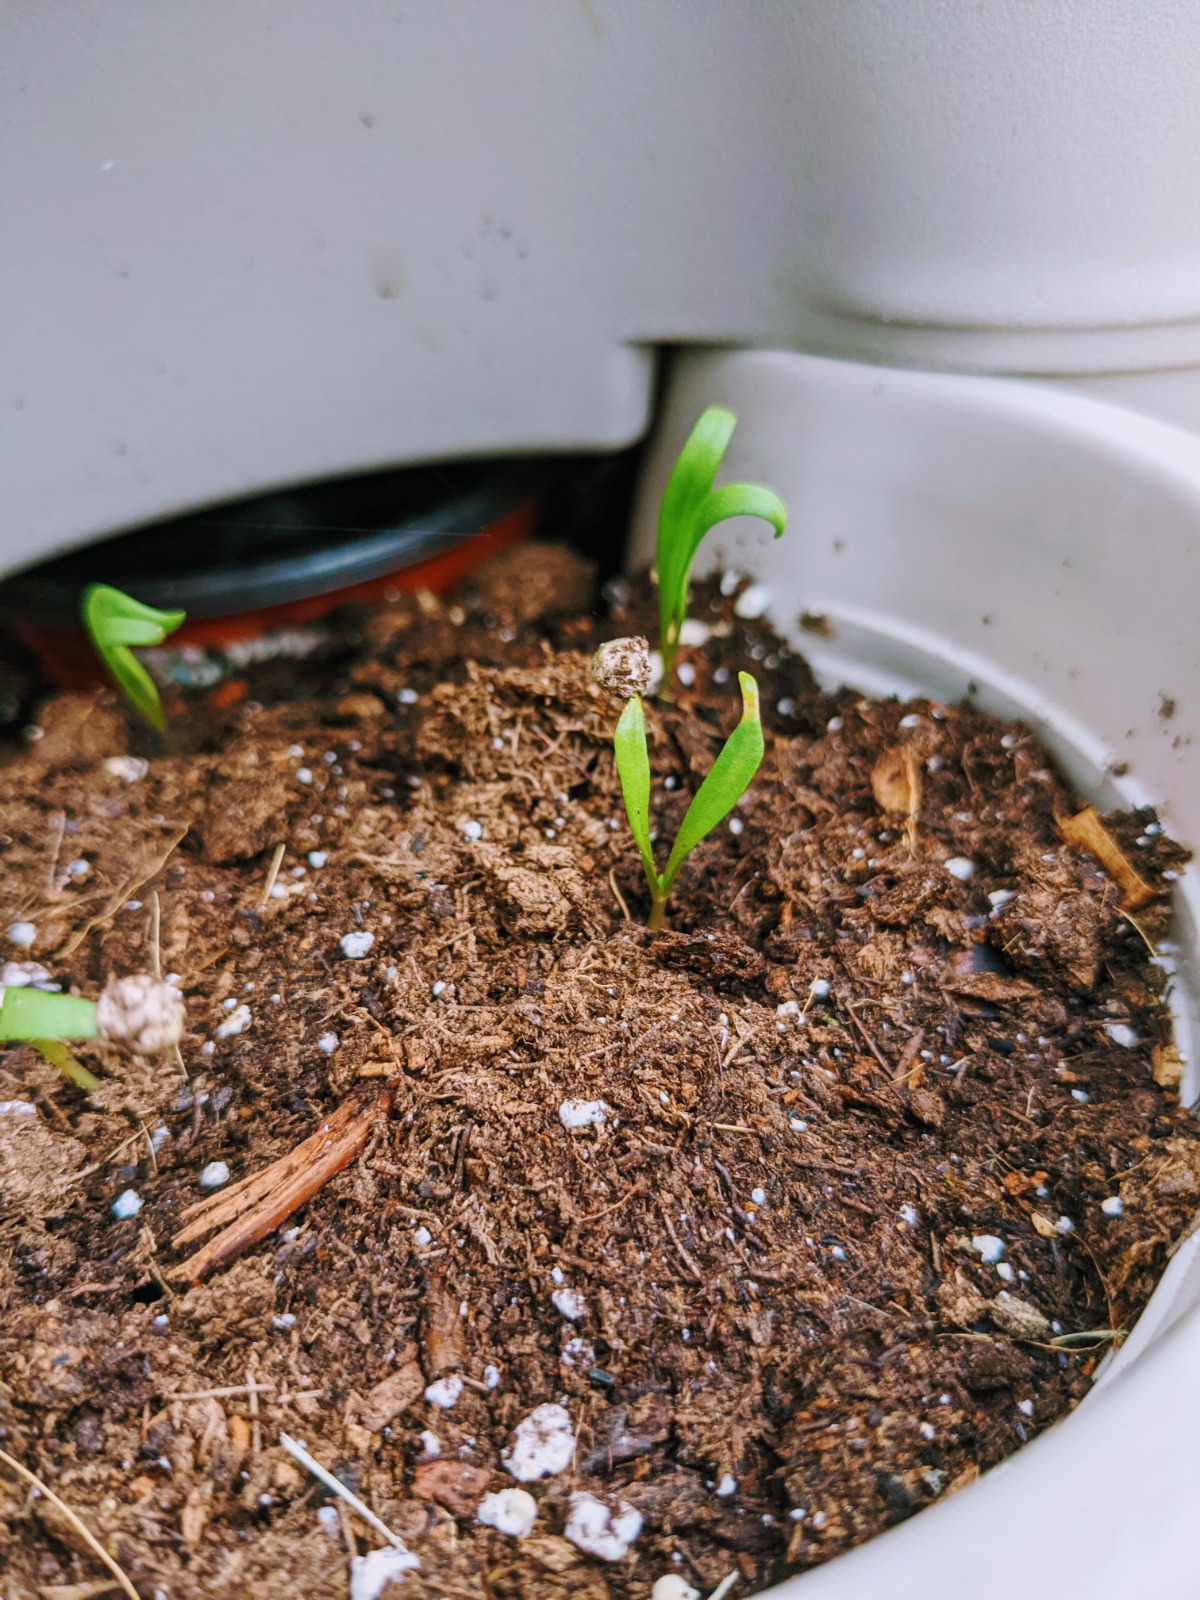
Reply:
x=623, y=666
x=141, y=1013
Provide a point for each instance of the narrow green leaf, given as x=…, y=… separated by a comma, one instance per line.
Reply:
x=633, y=769
x=744, y=500
x=33, y=1014
x=114, y=622
x=690, y=481
x=59, y=1056
x=691, y=506
x=728, y=779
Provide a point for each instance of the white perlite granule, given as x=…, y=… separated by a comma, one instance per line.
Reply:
x=445, y=1392
x=141, y=1013
x=511, y=1511
x=26, y=975
x=752, y=602
x=236, y=1022
x=542, y=1445
x=128, y=768
x=988, y=1246
x=623, y=666
x=672, y=1587
x=355, y=946
x=598, y=1531
x=582, y=1113
x=371, y=1574
x=569, y=1303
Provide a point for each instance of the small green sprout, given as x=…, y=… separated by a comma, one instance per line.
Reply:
x=42, y=1020
x=727, y=780
x=690, y=507
x=138, y=1013
x=114, y=622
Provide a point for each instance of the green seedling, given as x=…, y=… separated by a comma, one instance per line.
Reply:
x=727, y=780
x=690, y=507
x=116, y=621
x=43, y=1020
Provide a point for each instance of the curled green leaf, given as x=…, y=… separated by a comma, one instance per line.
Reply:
x=690, y=507
x=115, y=622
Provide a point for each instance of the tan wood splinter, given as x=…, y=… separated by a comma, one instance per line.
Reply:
x=1085, y=831
x=249, y=1210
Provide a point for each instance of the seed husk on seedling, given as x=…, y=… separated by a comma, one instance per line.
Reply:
x=115, y=621
x=140, y=1013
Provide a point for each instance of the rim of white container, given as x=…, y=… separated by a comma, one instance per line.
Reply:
x=1103, y=1501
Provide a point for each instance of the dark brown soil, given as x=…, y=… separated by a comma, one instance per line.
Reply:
x=841, y=1066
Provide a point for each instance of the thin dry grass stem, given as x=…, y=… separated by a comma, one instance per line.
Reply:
x=228, y=1392
x=693, y=1271
x=173, y=1050
x=153, y=938
x=264, y=893
x=80, y=1528
x=252, y=1391
x=725, y=1585
x=617, y=895
x=1139, y=930
x=323, y=1475
x=869, y=1042
x=116, y=900
x=249, y=1210
x=145, y=1132
x=60, y=828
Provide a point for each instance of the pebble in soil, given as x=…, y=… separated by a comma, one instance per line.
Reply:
x=796, y=1127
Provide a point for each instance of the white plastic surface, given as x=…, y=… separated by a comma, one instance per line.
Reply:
x=248, y=243
x=1046, y=549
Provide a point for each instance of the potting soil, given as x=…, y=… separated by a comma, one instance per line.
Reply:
x=805, y=1213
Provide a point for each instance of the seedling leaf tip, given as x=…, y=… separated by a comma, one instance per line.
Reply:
x=690, y=507
x=116, y=621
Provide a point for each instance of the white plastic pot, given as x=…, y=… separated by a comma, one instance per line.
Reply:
x=1042, y=552
x=247, y=244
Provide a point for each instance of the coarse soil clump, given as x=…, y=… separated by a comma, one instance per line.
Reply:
x=786, y=1208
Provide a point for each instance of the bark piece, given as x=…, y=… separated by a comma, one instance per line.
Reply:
x=395, y=1394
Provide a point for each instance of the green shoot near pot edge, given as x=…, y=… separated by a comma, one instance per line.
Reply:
x=114, y=622
x=43, y=1020
x=727, y=780
x=690, y=507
